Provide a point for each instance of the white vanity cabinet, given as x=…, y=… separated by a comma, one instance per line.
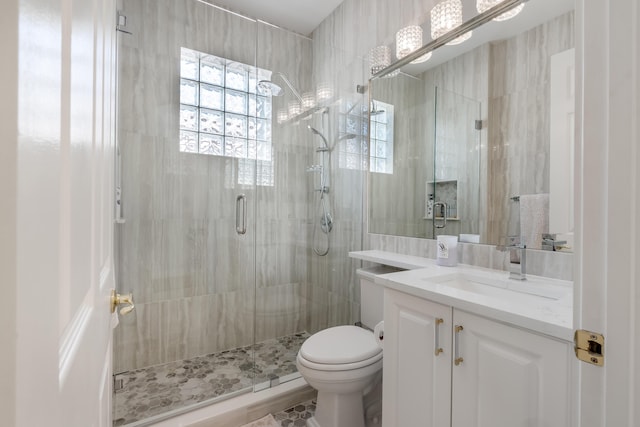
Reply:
x=509, y=377
x=416, y=381
x=505, y=376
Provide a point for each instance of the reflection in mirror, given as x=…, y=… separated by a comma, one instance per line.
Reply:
x=381, y=139
x=488, y=132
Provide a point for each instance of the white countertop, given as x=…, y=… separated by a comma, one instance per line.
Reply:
x=407, y=262
x=539, y=304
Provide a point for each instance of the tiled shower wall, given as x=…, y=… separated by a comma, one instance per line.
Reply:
x=191, y=275
x=333, y=295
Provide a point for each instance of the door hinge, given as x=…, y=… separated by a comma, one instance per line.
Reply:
x=118, y=384
x=589, y=347
x=478, y=124
x=121, y=23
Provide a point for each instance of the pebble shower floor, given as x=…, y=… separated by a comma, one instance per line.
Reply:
x=159, y=389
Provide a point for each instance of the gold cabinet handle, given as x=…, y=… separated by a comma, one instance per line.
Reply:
x=457, y=359
x=438, y=349
x=125, y=299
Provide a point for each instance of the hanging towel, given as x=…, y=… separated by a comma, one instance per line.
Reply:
x=534, y=219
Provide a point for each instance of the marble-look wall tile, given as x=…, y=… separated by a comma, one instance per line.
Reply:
x=331, y=285
x=178, y=250
x=179, y=328
x=519, y=119
x=280, y=310
x=137, y=339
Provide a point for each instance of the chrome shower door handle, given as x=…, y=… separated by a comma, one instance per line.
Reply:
x=241, y=218
x=444, y=214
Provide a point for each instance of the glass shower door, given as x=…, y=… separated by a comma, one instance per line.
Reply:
x=455, y=188
x=284, y=151
x=187, y=236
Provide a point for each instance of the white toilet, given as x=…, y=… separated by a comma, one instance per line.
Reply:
x=345, y=362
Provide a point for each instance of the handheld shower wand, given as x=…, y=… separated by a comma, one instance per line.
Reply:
x=325, y=223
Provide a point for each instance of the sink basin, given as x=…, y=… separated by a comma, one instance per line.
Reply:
x=497, y=286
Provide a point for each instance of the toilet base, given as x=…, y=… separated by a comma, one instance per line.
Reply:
x=338, y=410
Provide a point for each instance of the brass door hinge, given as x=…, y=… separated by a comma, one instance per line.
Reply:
x=589, y=347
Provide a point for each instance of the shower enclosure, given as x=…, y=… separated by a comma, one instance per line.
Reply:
x=215, y=209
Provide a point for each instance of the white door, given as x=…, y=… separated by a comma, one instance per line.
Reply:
x=608, y=208
x=59, y=205
x=417, y=381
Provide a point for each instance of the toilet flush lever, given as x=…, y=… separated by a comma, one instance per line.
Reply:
x=126, y=300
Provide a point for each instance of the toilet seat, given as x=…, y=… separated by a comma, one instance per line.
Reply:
x=340, y=348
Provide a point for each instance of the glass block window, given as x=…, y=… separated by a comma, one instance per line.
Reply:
x=221, y=113
x=381, y=147
x=354, y=152
x=352, y=136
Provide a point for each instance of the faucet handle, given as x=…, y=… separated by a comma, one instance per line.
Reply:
x=516, y=242
x=517, y=257
x=511, y=242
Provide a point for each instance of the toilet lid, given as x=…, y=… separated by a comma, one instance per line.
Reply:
x=340, y=345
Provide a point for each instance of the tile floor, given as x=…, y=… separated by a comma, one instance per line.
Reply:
x=296, y=416
x=158, y=389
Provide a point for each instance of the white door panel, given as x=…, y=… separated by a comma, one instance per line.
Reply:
x=608, y=209
x=64, y=226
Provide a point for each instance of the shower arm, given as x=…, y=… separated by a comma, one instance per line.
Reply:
x=286, y=80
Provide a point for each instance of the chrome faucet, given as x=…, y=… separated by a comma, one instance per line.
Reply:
x=517, y=257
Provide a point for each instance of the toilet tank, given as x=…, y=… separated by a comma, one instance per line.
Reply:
x=372, y=295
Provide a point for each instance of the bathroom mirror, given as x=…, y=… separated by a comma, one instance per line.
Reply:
x=482, y=134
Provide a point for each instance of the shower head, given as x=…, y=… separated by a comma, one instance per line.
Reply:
x=269, y=87
x=347, y=136
x=317, y=132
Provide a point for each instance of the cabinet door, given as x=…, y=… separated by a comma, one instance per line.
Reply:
x=417, y=382
x=508, y=377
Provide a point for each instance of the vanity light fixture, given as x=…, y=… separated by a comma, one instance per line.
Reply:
x=294, y=108
x=408, y=40
x=324, y=92
x=380, y=58
x=308, y=100
x=445, y=16
x=484, y=5
x=283, y=115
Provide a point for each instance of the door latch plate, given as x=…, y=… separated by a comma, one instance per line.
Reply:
x=589, y=347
